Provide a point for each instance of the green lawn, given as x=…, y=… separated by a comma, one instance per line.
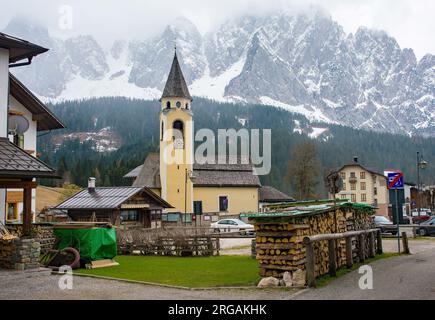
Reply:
x=190, y=272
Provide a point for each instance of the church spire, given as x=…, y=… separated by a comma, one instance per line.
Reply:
x=176, y=85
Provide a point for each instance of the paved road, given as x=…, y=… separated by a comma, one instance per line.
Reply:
x=403, y=277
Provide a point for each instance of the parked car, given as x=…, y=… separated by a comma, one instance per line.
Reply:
x=406, y=219
x=427, y=228
x=385, y=225
x=424, y=216
x=232, y=225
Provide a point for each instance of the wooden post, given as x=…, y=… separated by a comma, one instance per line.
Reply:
x=310, y=264
x=361, y=246
x=27, y=211
x=371, y=245
x=379, y=244
x=349, y=254
x=332, y=260
x=405, y=242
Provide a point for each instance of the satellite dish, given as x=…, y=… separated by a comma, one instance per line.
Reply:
x=17, y=124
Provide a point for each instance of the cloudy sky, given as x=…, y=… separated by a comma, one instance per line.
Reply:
x=409, y=21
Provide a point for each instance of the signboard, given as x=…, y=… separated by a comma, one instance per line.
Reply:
x=395, y=180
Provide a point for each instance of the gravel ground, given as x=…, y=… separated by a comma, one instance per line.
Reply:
x=398, y=278
x=86, y=288
x=415, y=246
x=236, y=246
x=395, y=278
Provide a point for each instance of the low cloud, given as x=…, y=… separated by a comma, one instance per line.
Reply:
x=409, y=21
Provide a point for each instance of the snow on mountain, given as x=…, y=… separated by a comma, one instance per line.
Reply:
x=302, y=63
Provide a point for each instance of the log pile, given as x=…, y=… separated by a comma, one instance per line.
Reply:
x=279, y=247
x=279, y=236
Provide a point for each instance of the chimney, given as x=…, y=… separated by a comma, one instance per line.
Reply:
x=91, y=184
x=355, y=159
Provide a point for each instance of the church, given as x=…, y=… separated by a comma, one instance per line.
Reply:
x=214, y=190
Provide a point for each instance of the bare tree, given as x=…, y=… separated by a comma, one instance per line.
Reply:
x=303, y=170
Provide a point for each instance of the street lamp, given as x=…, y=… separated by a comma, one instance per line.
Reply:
x=188, y=174
x=421, y=164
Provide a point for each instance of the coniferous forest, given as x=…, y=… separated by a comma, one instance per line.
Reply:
x=136, y=123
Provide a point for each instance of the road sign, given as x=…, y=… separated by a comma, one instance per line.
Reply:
x=395, y=180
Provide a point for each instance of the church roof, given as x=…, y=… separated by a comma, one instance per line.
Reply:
x=149, y=173
x=176, y=86
x=206, y=175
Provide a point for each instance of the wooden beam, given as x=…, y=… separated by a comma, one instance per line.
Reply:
x=349, y=254
x=405, y=243
x=332, y=261
x=18, y=184
x=38, y=117
x=310, y=265
x=379, y=241
x=27, y=211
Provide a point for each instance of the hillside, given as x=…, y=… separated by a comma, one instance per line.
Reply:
x=134, y=126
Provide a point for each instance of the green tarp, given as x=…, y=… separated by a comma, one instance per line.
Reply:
x=93, y=244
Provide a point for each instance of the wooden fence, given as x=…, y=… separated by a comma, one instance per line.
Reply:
x=168, y=241
x=369, y=244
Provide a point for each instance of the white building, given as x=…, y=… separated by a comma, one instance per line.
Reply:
x=18, y=163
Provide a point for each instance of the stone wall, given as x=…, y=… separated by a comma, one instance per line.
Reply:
x=19, y=254
x=43, y=233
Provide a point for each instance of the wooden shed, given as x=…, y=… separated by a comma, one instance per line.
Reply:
x=137, y=206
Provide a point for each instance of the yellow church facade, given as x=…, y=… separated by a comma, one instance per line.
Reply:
x=190, y=187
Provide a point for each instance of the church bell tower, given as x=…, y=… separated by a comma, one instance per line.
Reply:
x=176, y=142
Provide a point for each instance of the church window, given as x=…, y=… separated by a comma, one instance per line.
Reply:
x=178, y=134
x=168, y=104
x=187, y=106
x=178, y=104
x=161, y=137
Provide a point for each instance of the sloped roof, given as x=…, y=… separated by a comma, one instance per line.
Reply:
x=369, y=169
x=18, y=48
x=271, y=194
x=107, y=198
x=16, y=163
x=149, y=174
x=176, y=85
x=46, y=120
x=206, y=175
x=133, y=173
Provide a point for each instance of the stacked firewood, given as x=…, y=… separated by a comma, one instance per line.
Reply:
x=279, y=248
x=279, y=240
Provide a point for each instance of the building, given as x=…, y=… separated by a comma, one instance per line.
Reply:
x=25, y=106
x=270, y=195
x=364, y=185
x=210, y=189
x=19, y=167
x=137, y=206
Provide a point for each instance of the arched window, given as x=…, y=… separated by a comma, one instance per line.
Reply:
x=187, y=106
x=161, y=138
x=168, y=104
x=178, y=134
